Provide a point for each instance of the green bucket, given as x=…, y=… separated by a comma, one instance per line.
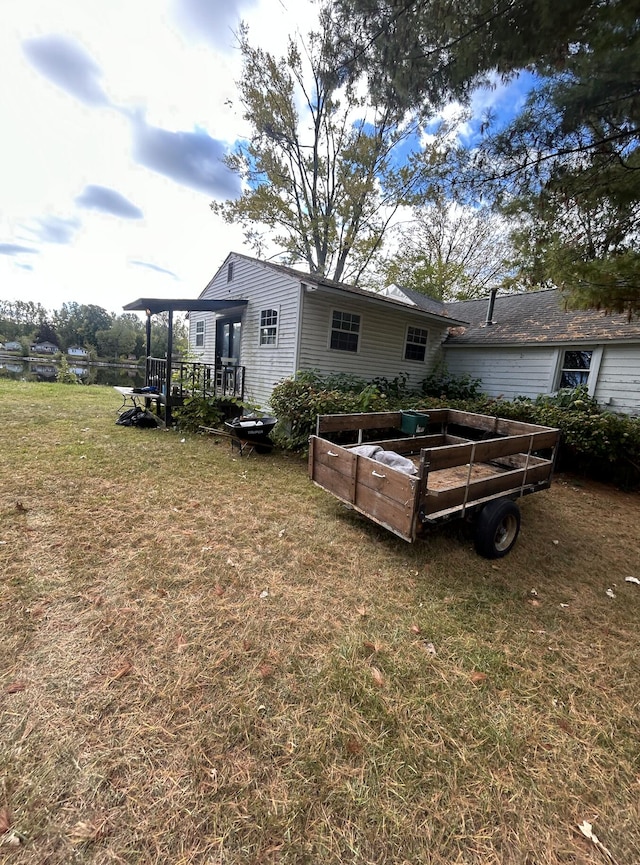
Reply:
x=414, y=422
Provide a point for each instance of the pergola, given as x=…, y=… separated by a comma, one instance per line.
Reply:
x=154, y=305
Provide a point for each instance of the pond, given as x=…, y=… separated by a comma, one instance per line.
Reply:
x=46, y=369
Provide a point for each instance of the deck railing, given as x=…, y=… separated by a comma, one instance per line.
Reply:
x=195, y=379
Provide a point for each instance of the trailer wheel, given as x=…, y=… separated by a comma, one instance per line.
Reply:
x=497, y=528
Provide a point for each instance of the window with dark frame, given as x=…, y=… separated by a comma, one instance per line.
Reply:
x=415, y=347
x=345, y=331
x=230, y=272
x=268, y=326
x=575, y=368
x=199, y=334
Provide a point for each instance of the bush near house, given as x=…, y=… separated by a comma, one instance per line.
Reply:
x=594, y=442
x=601, y=444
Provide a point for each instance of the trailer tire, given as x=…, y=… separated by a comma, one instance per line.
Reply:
x=497, y=528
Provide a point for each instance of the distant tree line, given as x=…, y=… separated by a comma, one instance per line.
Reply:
x=103, y=334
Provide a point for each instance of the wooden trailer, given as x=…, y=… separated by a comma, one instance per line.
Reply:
x=463, y=465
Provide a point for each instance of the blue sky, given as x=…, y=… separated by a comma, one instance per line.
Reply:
x=116, y=117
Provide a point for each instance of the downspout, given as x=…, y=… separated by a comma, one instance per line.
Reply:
x=299, y=314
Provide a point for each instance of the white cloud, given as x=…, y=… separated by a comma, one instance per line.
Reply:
x=125, y=99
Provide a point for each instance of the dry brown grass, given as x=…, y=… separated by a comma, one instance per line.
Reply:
x=383, y=703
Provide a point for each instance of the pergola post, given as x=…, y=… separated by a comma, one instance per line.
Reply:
x=167, y=405
x=147, y=362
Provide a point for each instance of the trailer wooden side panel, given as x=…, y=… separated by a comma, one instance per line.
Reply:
x=385, y=495
x=455, y=475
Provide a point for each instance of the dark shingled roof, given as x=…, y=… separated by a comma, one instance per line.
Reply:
x=536, y=317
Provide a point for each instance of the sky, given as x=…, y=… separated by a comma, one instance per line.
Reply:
x=115, y=117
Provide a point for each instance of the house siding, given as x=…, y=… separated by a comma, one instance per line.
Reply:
x=381, y=343
x=507, y=372
x=264, y=288
x=618, y=385
x=534, y=370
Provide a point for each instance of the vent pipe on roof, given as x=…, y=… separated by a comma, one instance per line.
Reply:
x=492, y=301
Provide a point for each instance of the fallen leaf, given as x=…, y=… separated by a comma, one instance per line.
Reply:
x=587, y=830
x=361, y=611
x=533, y=601
x=415, y=629
x=354, y=746
x=180, y=642
x=430, y=648
x=12, y=840
x=15, y=687
x=610, y=593
x=21, y=508
x=5, y=820
x=264, y=594
x=121, y=672
x=632, y=580
x=377, y=676
x=476, y=677
x=373, y=647
x=85, y=832
x=219, y=591
x=266, y=670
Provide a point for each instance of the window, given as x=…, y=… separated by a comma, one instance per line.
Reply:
x=345, y=331
x=415, y=347
x=575, y=368
x=199, y=334
x=230, y=272
x=268, y=327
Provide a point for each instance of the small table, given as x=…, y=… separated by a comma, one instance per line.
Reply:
x=131, y=397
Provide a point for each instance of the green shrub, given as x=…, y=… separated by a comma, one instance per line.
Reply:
x=65, y=375
x=199, y=411
x=441, y=383
x=598, y=443
x=296, y=402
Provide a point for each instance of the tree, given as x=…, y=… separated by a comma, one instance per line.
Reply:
x=319, y=179
x=78, y=324
x=46, y=332
x=450, y=252
x=578, y=134
x=20, y=318
x=117, y=340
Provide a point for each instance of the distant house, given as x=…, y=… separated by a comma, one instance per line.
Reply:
x=286, y=321
x=45, y=347
x=77, y=351
x=532, y=345
x=13, y=345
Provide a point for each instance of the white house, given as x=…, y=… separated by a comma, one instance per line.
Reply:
x=530, y=344
x=287, y=321
x=77, y=351
x=45, y=347
x=13, y=345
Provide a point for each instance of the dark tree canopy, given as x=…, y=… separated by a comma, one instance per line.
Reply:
x=574, y=151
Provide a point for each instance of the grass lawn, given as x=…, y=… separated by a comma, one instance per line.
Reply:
x=206, y=659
